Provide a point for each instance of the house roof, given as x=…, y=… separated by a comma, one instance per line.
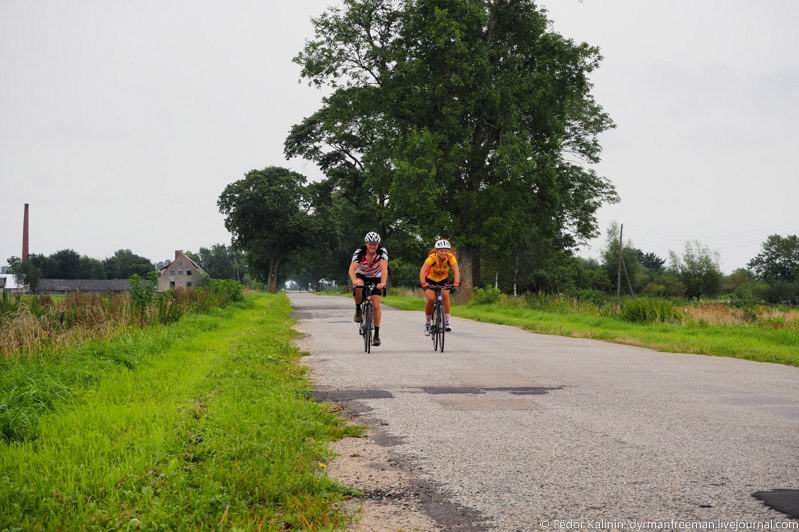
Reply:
x=197, y=266
x=83, y=285
x=194, y=263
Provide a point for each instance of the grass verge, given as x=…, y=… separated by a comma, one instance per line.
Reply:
x=204, y=423
x=750, y=342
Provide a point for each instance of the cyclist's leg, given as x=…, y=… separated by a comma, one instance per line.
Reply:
x=357, y=293
x=376, y=303
x=376, y=306
x=430, y=295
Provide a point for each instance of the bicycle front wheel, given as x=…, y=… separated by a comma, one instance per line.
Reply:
x=437, y=327
x=367, y=328
x=442, y=328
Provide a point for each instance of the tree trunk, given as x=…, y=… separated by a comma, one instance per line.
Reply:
x=469, y=261
x=274, y=265
x=515, y=274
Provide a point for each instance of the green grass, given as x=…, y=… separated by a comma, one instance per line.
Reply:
x=204, y=423
x=750, y=342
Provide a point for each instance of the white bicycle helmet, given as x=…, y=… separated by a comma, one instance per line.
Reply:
x=442, y=244
x=371, y=238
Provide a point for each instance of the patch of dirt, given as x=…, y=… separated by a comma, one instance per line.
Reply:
x=388, y=501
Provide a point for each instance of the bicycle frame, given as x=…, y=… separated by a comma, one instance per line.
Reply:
x=366, y=328
x=438, y=327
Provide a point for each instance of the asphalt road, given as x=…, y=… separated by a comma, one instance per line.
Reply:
x=526, y=430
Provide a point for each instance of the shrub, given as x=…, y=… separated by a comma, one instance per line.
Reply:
x=782, y=292
x=486, y=296
x=698, y=269
x=596, y=297
x=404, y=273
x=225, y=291
x=142, y=293
x=644, y=310
x=169, y=310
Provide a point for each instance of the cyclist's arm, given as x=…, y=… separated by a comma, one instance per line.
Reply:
x=353, y=268
x=383, y=274
x=457, y=272
x=423, y=272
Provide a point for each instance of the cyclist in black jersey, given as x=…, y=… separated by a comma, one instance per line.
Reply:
x=369, y=266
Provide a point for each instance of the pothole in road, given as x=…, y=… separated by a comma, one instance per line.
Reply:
x=785, y=501
x=515, y=390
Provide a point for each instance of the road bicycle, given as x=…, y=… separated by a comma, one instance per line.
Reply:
x=438, y=328
x=367, y=325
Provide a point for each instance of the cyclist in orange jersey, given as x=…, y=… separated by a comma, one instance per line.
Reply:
x=435, y=270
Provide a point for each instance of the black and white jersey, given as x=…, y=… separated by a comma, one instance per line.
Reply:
x=366, y=268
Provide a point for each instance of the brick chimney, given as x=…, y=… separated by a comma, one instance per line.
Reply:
x=25, y=235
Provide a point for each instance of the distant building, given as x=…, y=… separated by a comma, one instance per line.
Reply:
x=8, y=283
x=65, y=286
x=180, y=273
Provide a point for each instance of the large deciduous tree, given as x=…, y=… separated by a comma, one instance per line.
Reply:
x=778, y=259
x=698, y=269
x=458, y=118
x=267, y=214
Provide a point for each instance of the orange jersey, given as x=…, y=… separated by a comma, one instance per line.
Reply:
x=439, y=269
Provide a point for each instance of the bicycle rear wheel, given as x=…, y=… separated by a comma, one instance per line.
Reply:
x=367, y=328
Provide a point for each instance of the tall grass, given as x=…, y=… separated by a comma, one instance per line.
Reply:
x=28, y=324
x=199, y=424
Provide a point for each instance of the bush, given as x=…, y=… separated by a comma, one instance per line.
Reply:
x=596, y=297
x=698, y=269
x=782, y=292
x=225, y=291
x=644, y=310
x=404, y=273
x=169, y=310
x=486, y=296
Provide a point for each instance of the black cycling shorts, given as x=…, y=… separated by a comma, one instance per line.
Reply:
x=429, y=282
x=367, y=280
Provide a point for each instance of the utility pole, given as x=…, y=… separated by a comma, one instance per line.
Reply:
x=627, y=275
x=618, y=268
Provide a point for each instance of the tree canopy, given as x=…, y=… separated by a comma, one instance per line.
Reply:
x=778, y=259
x=267, y=214
x=463, y=118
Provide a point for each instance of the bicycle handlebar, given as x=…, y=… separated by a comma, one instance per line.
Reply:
x=446, y=286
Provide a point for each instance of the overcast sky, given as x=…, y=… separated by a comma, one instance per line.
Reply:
x=121, y=122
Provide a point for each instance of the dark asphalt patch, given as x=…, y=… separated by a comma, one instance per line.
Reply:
x=515, y=390
x=342, y=396
x=384, y=439
x=785, y=501
x=447, y=514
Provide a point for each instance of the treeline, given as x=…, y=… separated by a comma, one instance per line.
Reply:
x=219, y=262
x=771, y=276
x=69, y=264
